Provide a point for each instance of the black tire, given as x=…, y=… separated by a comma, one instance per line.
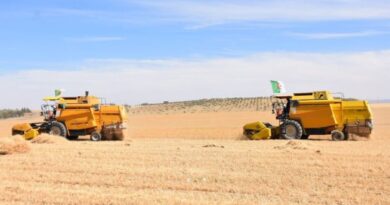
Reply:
x=338, y=135
x=95, y=136
x=75, y=137
x=291, y=130
x=57, y=128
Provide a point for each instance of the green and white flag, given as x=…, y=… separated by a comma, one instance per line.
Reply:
x=278, y=87
x=58, y=92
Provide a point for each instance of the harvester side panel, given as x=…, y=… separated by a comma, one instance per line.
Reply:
x=314, y=115
x=338, y=114
x=110, y=114
x=77, y=119
x=356, y=111
x=357, y=118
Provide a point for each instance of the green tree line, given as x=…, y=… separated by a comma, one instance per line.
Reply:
x=10, y=113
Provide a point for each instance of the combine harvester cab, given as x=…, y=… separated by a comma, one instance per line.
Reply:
x=72, y=117
x=315, y=113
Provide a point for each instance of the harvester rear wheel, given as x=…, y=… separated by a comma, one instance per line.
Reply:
x=338, y=135
x=57, y=128
x=291, y=129
x=96, y=136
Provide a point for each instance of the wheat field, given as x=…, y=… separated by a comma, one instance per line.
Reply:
x=199, y=157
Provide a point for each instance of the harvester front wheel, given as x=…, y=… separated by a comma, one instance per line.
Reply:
x=57, y=128
x=338, y=135
x=291, y=130
x=95, y=136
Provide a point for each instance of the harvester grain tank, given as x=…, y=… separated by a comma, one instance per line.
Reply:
x=72, y=117
x=314, y=113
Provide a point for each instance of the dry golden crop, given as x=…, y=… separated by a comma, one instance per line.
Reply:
x=200, y=158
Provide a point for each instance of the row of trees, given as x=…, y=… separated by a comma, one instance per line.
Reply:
x=206, y=105
x=9, y=113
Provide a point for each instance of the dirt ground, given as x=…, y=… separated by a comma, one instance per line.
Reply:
x=200, y=158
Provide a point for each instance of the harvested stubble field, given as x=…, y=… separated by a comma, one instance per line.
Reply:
x=199, y=158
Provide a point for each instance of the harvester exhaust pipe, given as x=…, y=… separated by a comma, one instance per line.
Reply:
x=86, y=93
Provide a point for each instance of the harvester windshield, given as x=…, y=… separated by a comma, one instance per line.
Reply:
x=280, y=106
x=48, y=111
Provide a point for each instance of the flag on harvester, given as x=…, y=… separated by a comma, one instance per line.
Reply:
x=57, y=95
x=58, y=92
x=278, y=87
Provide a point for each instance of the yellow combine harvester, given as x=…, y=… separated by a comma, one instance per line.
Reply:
x=315, y=113
x=72, y=117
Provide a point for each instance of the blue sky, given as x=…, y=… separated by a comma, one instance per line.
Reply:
x=73, y=35
x=48, y=33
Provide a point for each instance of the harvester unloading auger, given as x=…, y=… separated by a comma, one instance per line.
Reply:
x=315, y=113
x=72, y=117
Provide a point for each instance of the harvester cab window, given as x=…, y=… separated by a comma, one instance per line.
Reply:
x=278, y=108
x=49, y=111
x=281, y=107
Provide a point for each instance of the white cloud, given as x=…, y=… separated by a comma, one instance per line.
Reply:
x=359, y=74
x=337, y=35
x=218, y=12
x=96, y=39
